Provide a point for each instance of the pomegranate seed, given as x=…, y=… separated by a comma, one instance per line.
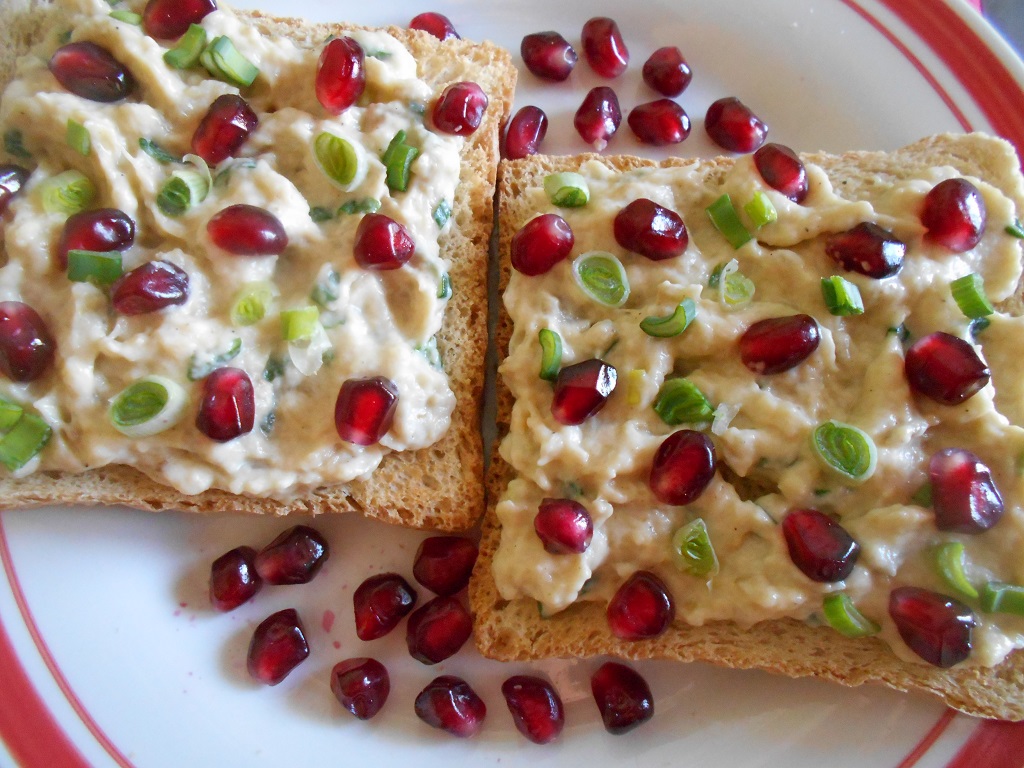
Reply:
x=623, y=697
x=604, y=47
x=340, y=75
x=868, y=250
x=642, y=607
x=598, y=117
x=149, y=288
x=436, y=24
x=224, y=128
x=26, y=346
x=361, y=686
x=278, y=646
x=935, y=627
x=563, y=526
x=233, y=579
x=105, y=229
x=683, y=466
x=170, y=19
x=659, y=122
x=581, y=390
x=380, y=603
x=295, y=556
x=443, y=564
x=819, y=546
x=964, y=494
x=460, y=109
x=449, y=704
x=535, y=706
x=782, y=170
x=779, y=343
x=438, y=629
x=945, y=368
x=12, y=179
x=90, y=71
x=954, y=215
x=651, y=230
x=541, y=243
x=548, y=55
x=228, y=406
x=667, y=72
x=245, y=230
x=733, y=126
x=382, y=243
x=365, y=409
x=525, y=132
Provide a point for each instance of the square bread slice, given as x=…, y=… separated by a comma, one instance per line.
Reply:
x=437, y=486
x=529, y=604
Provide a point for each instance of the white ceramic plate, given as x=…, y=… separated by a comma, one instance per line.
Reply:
x=110, y=655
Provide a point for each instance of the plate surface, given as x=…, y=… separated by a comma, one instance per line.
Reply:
x=110, y=655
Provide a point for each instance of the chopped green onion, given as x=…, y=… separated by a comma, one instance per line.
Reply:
x=1016, y=229
x=102, y=267
x=442, y=212
x=227, y=167
x=550, y=354
x=340, y=160
x=186, y=187
x=14, y=145
x=842, y=615
x=397, y=159
x=923, y=496
x=327, y=289
x=978, y=325
x=308, y=352
x=128, y=17
x=841, y=296
x=999, y=597
x=760, y=210
x=222, y=60
x=157, y=152
x=379, y=55
x=64, y=37
x=274, y=369
x=267, y=424
x=77, y=137
x=253, y=302
x=68, y=193
x=147, y=407
x=430, y=351
x=201, y=367
x=692, y=550
x=362, y=205
x=680, y=401
x=969, y=294
x=567, y=190
x=635, y=385
x=9, y=415
x=845, y=449
x=299, y=324
x=319, y=214
x=188, y=49
x=735, y=290
x=723, y=215
x=950, y=564
x=602, y=277
x=24, y=441
x=444, y=287
x=673, y=324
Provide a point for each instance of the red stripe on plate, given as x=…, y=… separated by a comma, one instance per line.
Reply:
x=993, y=744
x=928, y=740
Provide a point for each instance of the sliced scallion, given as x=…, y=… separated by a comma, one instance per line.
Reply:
x=735, y=290
x=692, y=550
x=845, y=449
x=299, y=324
x=362, y=205
x=308, y=354
x=602, y=277
x=319, y=214
x=128, y=17
x=969, y=294
x=430, y=351
x=77, y=137
x=24, y=441
x=188, y=49
x=186, y=187
x=1016, y=229
x=950, y=564
x=9, y=415
x=397, y=159
x=442, y=213
x=14, y=145
x=1000, y=597
x=550, y=354
x=157, y=152
x=723, y=215
x=274, y=369
x=841, y=296
x=147, y=407
x=567, y=189
x=222, y=60
x=101, y=267
x=760, y=210
x=340, y=160
x=673, y=324
x=68, y=193
x=842, y=615
x=199, y=367
x=444, y=287
x=680, y=401
x=253, y=302
x=327, y=288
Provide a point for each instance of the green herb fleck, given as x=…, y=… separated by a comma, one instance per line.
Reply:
x=1016, y=229
x=320, y=214
x=274, y=368
x=362, y=205
x=200, y=368
x=442, y=212
x=14, y=145
x=157, y=152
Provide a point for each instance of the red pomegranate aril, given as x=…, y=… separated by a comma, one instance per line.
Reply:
x=170, y=19
x=564, y=526
x=581, y=390
x=548, y=55
x=819, y=546
x=460, y=109
x=227, y=408
x=782, y=170
x=90, y=71
x=659, y=123
x=233, y=579
x=667, y=72
x=778, y=344
x=104, y=229
x=535, y=706
x=526, y=130
x=340, y=75
x=935, y=627
x=541, y=243
x=683, y=466
x=945, y=368
x=12, y=179
x=365, y=409
x=964, y=493
x=380, y=603
x=438, y=629
x=868, y=250
x=295, y=556
x=247, y=230
x=148, y=288
x=278, y=646
x=436, y=24
x=26, y=345
x=604, y=48
x=443, y=564
x=641, y=608
x=382, y=243
x=623, y=697
x=361, y=686
x=733, y=126
x=448, y=703
x=954, y=214
x=225, y=127
x=598, y=117
x=651, y=230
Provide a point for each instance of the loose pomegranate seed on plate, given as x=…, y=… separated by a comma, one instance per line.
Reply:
x=459, y=109
x=340, y=75
x=659, y=123
x=526, y=130
x=247, y=230
x=598, y=117
x=935, y=627
x=581, y=390
x=535, y=706
x=380, y=603
x=233, y=579
x=604, y=48
x=104, y=229
x=683, y=466
x=964, y=494
x=867, y=249
x=150, y=287
x=954, y=214
x=733, y=126
x=541, y=243
x=437, y=24
x=443, y=564
x=651, y=230
x=227, y=408
x=623, y=697
x=945, y=368
x=819, y=546
x=777, y=344
x=278, y=646
x=782, y=170
x=224, y=128
x=667, y=72
x=564, y=526
x=26, y=346
x=642, y=607
x=170, y=19
x=382, y=243
x=548, y=55
x=90, y=71
x=450, y=704
x=295, y=556
x=365, y=409
x=361, y=686
x=12, y=179
x=438, y=629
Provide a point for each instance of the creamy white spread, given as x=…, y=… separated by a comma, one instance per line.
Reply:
x=380, y=324
x=762, y=434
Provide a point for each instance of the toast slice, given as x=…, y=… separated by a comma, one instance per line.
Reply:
x=511, y=620
x=438, y=486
